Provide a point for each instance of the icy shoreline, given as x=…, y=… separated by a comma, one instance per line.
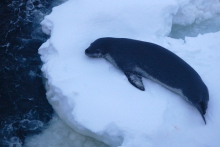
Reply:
x=95, y=99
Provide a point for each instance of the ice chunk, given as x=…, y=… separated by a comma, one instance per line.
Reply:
x=96, y=100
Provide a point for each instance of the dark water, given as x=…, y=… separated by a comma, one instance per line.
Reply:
x=24, y=109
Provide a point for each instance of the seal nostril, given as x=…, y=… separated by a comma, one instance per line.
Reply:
x=86, y=51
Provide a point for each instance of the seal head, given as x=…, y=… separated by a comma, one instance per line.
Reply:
x=97, y=49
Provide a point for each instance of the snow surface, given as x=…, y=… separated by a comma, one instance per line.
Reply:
x=95, y=99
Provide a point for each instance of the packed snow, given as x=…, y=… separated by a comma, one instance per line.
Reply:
x=96, y=100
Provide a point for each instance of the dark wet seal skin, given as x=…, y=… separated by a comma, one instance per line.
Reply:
x=139, y=59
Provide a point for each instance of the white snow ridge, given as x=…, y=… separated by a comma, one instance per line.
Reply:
x=95, y=99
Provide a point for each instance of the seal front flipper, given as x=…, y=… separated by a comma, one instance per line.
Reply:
x=135, y=80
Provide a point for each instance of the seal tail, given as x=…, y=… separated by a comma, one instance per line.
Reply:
x=199, y=108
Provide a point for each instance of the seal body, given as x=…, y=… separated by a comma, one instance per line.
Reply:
x=139, y=59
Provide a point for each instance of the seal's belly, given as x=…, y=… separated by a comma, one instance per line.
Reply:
x=173, y=89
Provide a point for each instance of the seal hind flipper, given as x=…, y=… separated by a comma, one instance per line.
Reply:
x=199, y=108
x=135, y=80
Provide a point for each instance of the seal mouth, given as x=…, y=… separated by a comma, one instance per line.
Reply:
x=94, y=55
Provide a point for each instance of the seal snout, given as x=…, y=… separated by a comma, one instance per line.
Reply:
x=86, y=51
x=89, y=53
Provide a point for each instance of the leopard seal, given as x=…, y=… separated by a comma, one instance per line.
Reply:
x=139, y=59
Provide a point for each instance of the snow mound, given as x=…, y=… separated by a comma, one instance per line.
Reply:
x=192, y=11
